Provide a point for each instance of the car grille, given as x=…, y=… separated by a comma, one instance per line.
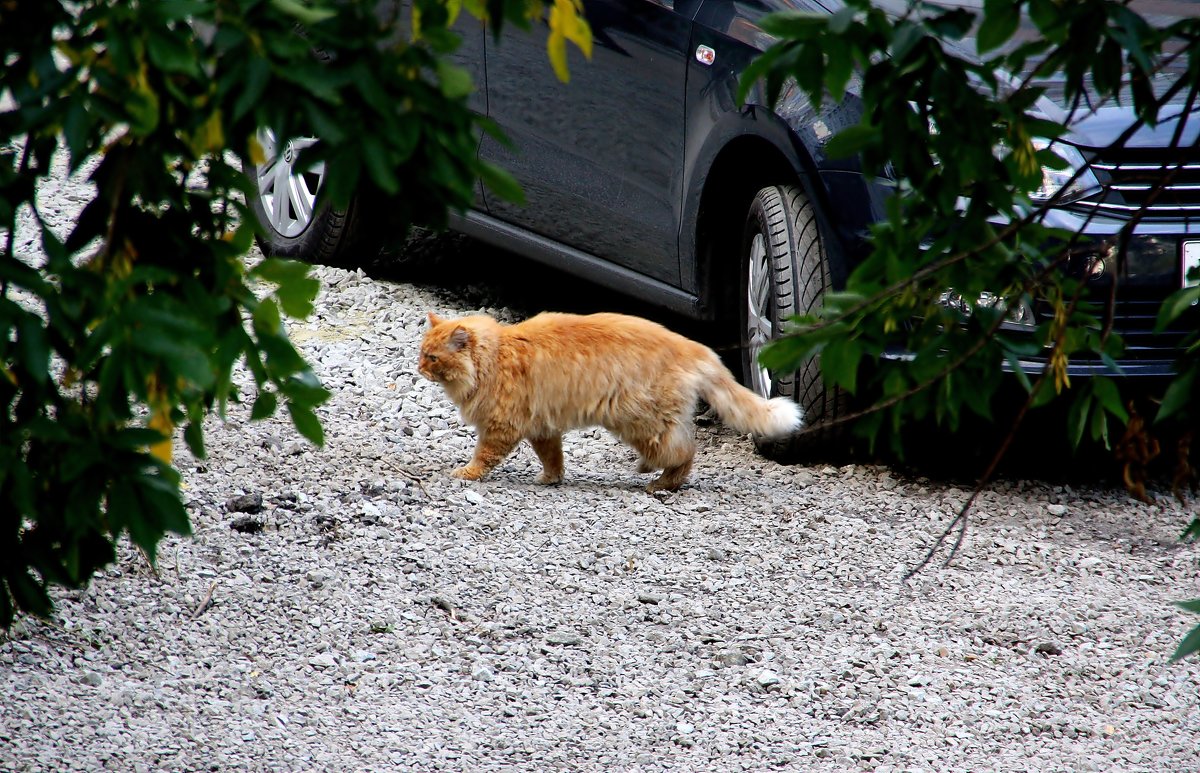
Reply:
x=1134, y=318
x=1132, y=178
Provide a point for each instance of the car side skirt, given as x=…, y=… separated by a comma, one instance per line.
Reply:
x=581, y=264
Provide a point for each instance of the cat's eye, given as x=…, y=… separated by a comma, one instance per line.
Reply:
x=431, y=357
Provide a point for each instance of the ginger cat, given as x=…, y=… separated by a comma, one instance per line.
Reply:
x=555, y=372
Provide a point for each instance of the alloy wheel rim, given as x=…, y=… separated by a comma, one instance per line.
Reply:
x=288, y=194
x=759, y=307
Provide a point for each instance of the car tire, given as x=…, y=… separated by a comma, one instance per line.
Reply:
x=785, y=272
x=299, y=223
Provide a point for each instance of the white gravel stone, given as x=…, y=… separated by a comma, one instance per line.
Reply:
x=390, y=617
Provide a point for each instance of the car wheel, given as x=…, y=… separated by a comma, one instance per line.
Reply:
x=296, y=221
x=784, y=273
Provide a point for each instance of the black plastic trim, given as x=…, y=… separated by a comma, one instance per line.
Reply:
x=581, y=264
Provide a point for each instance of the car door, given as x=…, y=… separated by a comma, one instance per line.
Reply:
x=600, y=158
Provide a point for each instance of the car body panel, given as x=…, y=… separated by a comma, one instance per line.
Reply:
x=600, y=158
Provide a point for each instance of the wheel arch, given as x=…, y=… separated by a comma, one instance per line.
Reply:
x=761, y=141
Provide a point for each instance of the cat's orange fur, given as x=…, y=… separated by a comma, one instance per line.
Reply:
x=556, y=372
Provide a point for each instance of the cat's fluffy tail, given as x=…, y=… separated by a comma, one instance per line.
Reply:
x=745, y=411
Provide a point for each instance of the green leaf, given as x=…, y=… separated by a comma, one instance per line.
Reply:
x=296, y=296
x=1192, y=532
x=279, y=271
x=1107, y=69
x=1109, y=396
x=1000, y=20
x=378, y=164
x=952, y=25
x=305, y=13
x=77, y=131
x=35, y=350
x=307, y=423
x=1189, y=645
x=266, y=318
x=1048, y=18
x=1130, y=31
x=841, y=20
x=183, y=357
x=171, y=53
x=282, y=358
x=305, y=388
x=852, y=140
x=839, y=67
x=193, y=435
x=30, y=596
x=758, y=69
x=1175, y=305
x=500, y=182
x=258, y=74
x=455, y=81
x=181, y=10
x=1015, y=364
x=905, y=38
x=839, y=363
x=264, y=405
x=796, y=25
x=6, y=606
x=53, y=246
x=1179, y=395
x=1100, y=427
x=787, y=354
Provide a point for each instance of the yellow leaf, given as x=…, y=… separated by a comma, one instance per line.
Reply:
x=213, y=133
x=575, y=27
x=160, y=419
x=258, y=156
x=567, y=23
x=556, y=47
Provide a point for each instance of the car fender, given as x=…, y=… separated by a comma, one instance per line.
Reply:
x=717, y=124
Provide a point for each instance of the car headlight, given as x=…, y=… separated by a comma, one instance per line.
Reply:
x=1070, y=184
x=1018, y=312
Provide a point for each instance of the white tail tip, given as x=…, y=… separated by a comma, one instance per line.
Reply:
x=786, y=417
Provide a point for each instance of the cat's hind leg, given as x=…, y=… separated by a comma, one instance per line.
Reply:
x=671, y=451
x=672, y=477
x=549, y=450
x=491, y=448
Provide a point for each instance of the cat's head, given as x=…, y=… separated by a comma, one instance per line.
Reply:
x=446, y=352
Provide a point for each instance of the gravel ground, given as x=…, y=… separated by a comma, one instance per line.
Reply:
x=355, y=608
x=388, y=616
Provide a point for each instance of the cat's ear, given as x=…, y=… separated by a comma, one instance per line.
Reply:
x=458, y=339
x=434, y=320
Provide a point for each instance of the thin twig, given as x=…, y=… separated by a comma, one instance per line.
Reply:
x=146, y=557
x=206, y=602
x=408, y=475
x=960, y=520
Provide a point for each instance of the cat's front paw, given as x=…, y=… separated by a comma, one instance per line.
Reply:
x=546, y=479
x=467, y=472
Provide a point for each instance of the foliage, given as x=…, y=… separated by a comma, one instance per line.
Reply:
x=966, y=243
x=130, y=325
x=1191, y=642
